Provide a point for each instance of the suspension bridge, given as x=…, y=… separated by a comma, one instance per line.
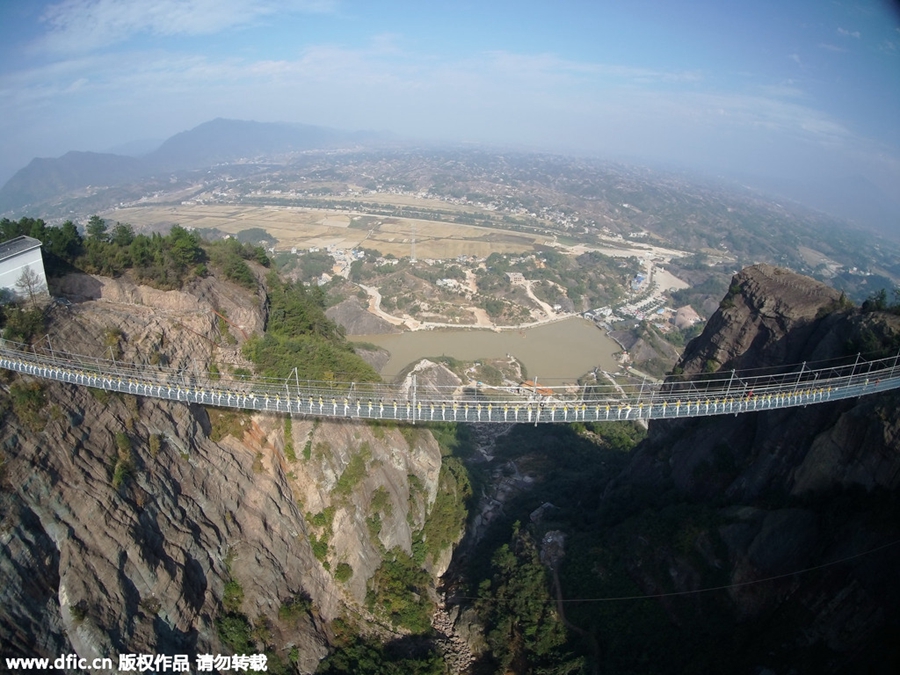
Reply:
x=722, y=393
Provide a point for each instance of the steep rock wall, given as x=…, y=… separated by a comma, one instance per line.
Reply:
x=807, y=490
x=123, y=519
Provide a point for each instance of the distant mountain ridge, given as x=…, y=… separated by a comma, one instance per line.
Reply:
x=44, y=178
x=219, y=140
x=222, y=140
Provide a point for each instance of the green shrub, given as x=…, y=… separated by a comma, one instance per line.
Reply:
x=155, y=443
x=521, y=623
x=319, y=547
x=28, y=403
x=111, y=336
x=224, y=422
x=354, y=654
x=224, y=331
x=233, y=596
x=323, y=518
x=324, y=521
x=399, y=592
x=229, y=258
x=447, y=518
x=124, y=462
x=381, y=502
x=234, y=631
x=123, y=443
x=289, y=440
x=294, y=608
x=22, y=325
x=160, y=261
x=299, y=335
x=102, y=395
x=354, y=473
x=276, y=355
x=343, y=573
x=79, y=611
x=373, y=524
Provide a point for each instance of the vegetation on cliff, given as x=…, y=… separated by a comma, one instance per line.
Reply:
x=299, y=335
x=523, y=628
x=21, y=324
x=356, y=654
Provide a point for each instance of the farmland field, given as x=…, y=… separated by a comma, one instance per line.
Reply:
x=305, y=227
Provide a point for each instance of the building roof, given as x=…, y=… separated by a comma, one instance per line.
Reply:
x=543, y=391
x=17, y=245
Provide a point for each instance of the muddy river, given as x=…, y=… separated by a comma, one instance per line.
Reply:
x=555, y=353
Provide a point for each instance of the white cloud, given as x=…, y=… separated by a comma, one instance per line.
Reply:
x=831, y=48
x=537, y=100
x=750, y=113
x=848, y=33
x=379, y=86
x=84, y=25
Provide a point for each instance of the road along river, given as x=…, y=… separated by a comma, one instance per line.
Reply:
x=555, y=352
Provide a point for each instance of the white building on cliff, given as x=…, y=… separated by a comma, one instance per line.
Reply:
x=16, y=256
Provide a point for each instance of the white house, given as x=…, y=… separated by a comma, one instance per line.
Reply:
x=17, y=255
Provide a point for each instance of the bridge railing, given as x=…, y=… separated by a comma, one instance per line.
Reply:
x=739, y=391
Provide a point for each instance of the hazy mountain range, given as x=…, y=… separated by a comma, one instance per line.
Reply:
x=225, y=141
x=215, y=142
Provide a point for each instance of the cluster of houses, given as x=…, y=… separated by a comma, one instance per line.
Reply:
x=650, y=310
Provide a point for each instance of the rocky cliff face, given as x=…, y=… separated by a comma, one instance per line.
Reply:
x=768, y=318
x=125, y=521
x=773, y=317
x=355, y=319
x=810, y=491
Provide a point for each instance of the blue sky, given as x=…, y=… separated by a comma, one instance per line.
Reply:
x=798, y=89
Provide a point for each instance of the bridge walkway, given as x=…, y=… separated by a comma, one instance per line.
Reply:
x=729, y=393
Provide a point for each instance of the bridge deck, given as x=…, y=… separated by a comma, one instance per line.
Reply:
x=726, y=393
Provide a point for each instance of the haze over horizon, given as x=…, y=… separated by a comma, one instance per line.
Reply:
x=803, y=91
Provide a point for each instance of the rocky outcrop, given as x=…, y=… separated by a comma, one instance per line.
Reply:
x=136, y=559
x=122, y=520
x=768, y=318
x=349, y=464
x=355, y=319
x=432, y=380
x=791, y=490
x=206, y=321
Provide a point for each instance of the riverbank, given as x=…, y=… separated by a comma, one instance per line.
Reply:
x=482, y=320
x=556, y=351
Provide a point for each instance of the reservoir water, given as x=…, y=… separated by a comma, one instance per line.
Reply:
x=556, y=352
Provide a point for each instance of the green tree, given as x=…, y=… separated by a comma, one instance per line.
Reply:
x=520, y=615
x=399, y=591
x=62, y=242
x=122, y=234
x=185, y=246
x=96, y=228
